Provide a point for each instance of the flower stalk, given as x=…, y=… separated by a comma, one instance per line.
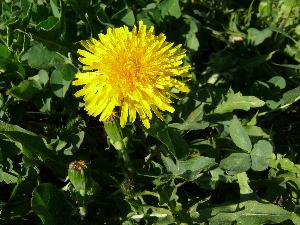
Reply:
x=119, y=139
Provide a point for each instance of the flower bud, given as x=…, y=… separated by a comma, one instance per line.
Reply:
x=77, y=174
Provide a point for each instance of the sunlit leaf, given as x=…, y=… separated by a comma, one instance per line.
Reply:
x=261, y=155
x=236, y=163
x=238, y=101
x=257, y=37
x=239, y=135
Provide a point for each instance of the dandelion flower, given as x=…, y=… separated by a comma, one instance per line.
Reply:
x=130, y=70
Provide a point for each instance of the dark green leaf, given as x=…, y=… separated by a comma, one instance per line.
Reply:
x=126, y=16
x=55, y=8
x=43, y=103
x=190, y=168
x=4, y=52
x=26, y=89
x=170, y=8
x=291, y=66
x=40, y=57
x=48, y=24
x=239, y=135
x=257, y=37
x=192, y=42
x=8, y=177
x=190, y=125
x=251, y=212
x=256, y=131
x=102, y=17
x=196, y=115
x=169, y=137
x=286, y=164
x=30, y=143
x=238, y=101
x=290, y=97
x=278, y=81
x=61, y=79
x=243, y=181
x=261, y=155
x=51, y=205
x=236, y=163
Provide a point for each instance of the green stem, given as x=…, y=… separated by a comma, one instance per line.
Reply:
x=126, y=158
x=119, y=140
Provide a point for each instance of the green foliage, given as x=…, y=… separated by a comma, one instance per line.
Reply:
x=236, y=163
x=239, y=135
x=228, y=155
x=51, y=205
x=261, y=155
x=237, y=101
x=257, y=37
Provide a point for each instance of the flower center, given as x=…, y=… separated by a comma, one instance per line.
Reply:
x=131, y=69
x=127, y=71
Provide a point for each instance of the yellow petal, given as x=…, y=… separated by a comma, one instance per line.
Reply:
x=108, y=110
x=124, y=114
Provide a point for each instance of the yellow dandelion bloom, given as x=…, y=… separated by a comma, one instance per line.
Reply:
x=132, y=70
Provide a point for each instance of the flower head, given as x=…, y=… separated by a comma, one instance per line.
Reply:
x=133, y=70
